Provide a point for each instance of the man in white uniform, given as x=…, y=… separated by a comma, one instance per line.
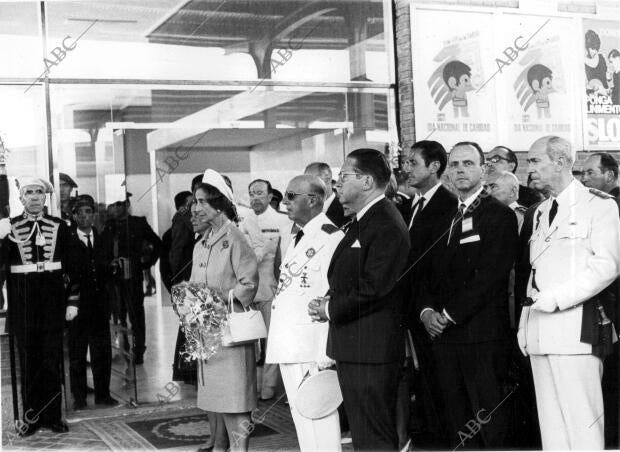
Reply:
x=574, y=254
x=274, y=229
x=295, y=342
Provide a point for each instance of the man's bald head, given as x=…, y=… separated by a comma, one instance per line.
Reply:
x=505, y=188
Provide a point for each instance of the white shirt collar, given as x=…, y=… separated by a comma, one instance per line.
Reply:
x=82, y=236
x=314, y=224
x=328, y=201
x=428, y=195
x=361, y=213
x=567, y=196
x=469, y=201
x=514, y=204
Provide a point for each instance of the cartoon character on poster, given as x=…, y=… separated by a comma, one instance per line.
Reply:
x=457, y=77
x=534, y=84
x=539, y=78
x=450, y=82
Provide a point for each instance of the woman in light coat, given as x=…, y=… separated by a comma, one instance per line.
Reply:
x=225, y=261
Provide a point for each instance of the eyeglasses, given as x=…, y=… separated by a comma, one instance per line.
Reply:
x=290, y=195
x=497, y=158
x=341, y=176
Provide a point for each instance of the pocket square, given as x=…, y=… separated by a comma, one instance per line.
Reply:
x=356, y=244
x=473, y=238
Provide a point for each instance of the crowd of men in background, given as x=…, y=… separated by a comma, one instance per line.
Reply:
x=488, y=300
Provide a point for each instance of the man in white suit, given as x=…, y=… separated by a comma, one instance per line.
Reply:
x=295, y=342
x=267, y=230
x=574, y=254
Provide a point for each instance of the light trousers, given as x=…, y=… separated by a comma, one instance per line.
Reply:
x=569, y=400
x=313, y=434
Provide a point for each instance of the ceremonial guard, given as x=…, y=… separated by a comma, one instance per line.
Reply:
x=42, y=294
x=574, y=254
x=91, y=328
x=295, y=342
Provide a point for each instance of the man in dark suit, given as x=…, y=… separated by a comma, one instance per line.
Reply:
x=464, y=306
x=91, y=328
x=331, y=205
x=502, y=158
x=364, y=305
x=432, y=210
x=130, y=247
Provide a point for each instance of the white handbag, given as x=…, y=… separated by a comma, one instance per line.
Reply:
x=243, y=327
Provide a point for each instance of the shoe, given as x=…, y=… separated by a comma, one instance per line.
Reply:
x=346, y=438
x=267, y=393
x=58, y=426
x=205, y=449
x=108, y=401
x=79, y=404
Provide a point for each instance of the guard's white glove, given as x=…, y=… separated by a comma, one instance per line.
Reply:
x=521, y=341
x=72, y=312
x=544, y=304
x=5, y=227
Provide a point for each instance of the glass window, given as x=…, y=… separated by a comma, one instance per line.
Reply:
x=23, y=132
x=20, y=41
x=151, y=139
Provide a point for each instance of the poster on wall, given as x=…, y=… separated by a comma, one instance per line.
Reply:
x=536, y=81
x=602, y=80
x=454, y=99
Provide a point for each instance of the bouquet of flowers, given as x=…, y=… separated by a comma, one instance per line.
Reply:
x=203, y=316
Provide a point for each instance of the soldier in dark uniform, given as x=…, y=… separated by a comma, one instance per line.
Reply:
x=130, y=246
x=42, y=294
x=91, y=327
x=67, y=184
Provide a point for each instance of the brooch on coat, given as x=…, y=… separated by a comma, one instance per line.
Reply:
x=225, y=244
x=310, y=252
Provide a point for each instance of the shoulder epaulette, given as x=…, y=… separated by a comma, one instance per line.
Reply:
x=601, y=194
x=329, y=228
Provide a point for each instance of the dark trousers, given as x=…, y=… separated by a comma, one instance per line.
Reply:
x=429, y=396
x=40, y=355
x=369, y=392
x=183, y=370
x=610, y=384
x=128, y=301
x=87, y=332
x=472, y=379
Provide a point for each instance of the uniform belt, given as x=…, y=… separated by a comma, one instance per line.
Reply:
x=38, y=267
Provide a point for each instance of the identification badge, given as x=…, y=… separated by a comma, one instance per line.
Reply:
x=468, y=224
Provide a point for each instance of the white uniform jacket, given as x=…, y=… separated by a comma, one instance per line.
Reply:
x=574, y=259
x=293, y=337
x=273, y=228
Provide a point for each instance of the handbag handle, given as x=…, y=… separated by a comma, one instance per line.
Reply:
x=230, y=302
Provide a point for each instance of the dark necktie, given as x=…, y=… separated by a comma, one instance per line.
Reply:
x=298, y=236
x=89, y=244
x=347, y=227
x=553, y=211
x=458, y=217
x=417, y=207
